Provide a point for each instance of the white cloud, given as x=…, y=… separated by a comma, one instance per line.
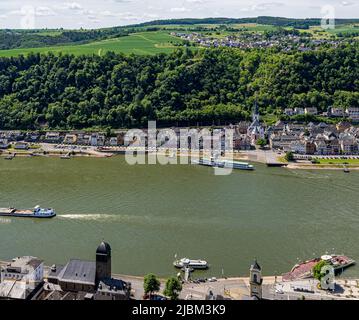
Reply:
x=263, y=6
x=73, y=6
x=180, y=9
x=347, y=3
x=107, y=13
x=44, y=12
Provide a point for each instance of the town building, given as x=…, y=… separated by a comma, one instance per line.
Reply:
x=70, y=139
x=113, y=142
x=21, y=278
x=53, y=137
x=352, y=113
x=310, y=147
x=311, y=111
x=298, y=111
x=289, y=112
x=336, y=112
x=4, y=144
x=83, y=139
x=242, y=142
x=91, y=277
x=298, y=147
x=97, y=139
x=342, y=126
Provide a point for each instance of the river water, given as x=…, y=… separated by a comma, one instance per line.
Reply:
x=149, y=213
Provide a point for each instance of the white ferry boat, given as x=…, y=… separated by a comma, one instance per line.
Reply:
x=224, y=164
x=205, y=162
x=194, y=264
x=237, y=165
x=37, y=212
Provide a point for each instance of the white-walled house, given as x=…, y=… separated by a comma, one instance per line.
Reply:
x=21, y=277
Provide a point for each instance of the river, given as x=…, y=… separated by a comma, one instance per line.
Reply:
x=149, y=213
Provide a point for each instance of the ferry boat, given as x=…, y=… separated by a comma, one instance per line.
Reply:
x=37, y=212
x=236, y=165
x=304, y=269
x=224, y=164
x=193, y=264
x=205, y=162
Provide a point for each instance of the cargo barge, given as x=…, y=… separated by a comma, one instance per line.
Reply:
x=37, y=212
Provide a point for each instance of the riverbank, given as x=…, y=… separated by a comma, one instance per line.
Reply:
x=50, y=150
x=238, y=288
x=301, y=166
x=255, y=156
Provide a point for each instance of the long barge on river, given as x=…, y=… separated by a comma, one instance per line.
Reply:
x=37, y=212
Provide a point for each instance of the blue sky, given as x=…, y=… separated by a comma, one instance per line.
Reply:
x=104, y=13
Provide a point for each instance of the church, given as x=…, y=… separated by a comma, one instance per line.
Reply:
x=255, y=131
x=91, y=277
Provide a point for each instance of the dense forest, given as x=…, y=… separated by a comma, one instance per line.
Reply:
x=64, y=91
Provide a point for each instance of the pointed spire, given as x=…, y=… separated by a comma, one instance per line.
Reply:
x=256, y=265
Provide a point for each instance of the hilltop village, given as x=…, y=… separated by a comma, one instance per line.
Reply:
x=284, y=40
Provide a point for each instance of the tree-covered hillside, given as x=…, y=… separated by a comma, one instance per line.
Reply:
x=209, y=85
x=10, y=39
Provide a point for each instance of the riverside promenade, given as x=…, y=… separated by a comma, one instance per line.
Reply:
x=237, y=288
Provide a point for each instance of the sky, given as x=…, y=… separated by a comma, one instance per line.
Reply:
x=106, y=13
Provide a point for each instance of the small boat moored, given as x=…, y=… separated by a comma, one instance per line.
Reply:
x=193, y=264
x=37, y=212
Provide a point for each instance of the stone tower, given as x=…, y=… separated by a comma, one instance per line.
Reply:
x=103, y=261
x=255, y=280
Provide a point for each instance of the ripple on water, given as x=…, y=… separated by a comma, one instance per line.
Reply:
x=5, y=221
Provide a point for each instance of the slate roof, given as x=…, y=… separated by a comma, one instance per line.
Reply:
x=79, y=271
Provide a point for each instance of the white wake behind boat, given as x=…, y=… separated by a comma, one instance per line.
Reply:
x=194, y=264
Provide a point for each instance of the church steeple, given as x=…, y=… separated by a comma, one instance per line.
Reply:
x=255, y=280
x=255, y=112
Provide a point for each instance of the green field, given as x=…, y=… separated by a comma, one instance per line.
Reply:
x=138, y=43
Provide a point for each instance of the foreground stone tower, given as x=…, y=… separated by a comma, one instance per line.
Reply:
x=255, y=280
x=103, y=261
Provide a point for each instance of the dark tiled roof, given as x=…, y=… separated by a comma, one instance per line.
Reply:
x=112, y=285
x=79, y=271
x=35, y=262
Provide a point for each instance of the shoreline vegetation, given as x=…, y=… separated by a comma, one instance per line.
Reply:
x=255, y=156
